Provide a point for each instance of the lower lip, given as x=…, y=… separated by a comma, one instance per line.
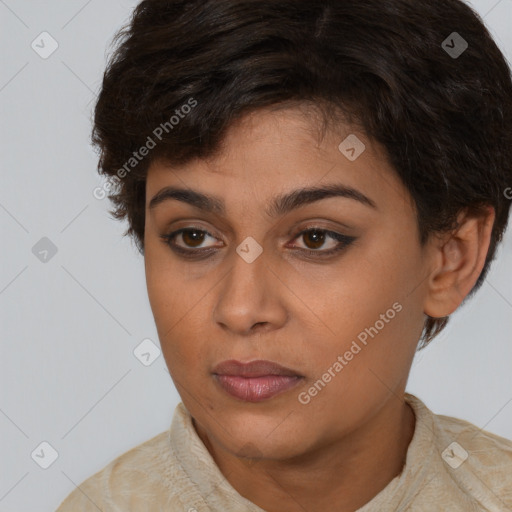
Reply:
x=256, y=389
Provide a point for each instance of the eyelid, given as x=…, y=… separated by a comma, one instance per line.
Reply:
x=172, y=235
x=343, y=241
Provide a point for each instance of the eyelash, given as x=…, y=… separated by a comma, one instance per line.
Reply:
x=344, y=242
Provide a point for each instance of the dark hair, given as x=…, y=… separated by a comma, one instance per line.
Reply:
x=397, y=68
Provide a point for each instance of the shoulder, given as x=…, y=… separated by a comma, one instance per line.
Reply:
x=485, y=454
x=145, y=471
x=476, y=462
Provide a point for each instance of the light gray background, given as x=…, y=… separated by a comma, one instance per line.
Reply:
x=69, y=326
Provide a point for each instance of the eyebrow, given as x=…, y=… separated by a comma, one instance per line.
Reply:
x=278, y=205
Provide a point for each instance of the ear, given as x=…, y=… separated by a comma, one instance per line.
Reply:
x=457, y=261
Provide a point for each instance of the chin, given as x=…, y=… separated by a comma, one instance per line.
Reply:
x=259, y=436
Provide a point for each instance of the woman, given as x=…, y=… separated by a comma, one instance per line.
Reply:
x=316, y=187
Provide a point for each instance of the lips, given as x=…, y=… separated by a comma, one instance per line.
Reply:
x=258, y=368
x=255, y=381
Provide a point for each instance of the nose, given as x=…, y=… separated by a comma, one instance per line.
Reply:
x=249, y=297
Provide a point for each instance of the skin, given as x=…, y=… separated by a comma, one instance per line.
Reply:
x=343, y=447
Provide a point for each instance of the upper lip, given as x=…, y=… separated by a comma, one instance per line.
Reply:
x=259, y=368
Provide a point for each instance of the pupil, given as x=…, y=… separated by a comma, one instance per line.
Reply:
x=318, y=236
x=195, y=237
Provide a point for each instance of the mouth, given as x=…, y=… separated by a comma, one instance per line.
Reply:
x=255, y=381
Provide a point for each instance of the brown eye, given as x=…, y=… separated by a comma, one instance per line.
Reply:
x=193, y=237
x=315, y=237
x=191, y=240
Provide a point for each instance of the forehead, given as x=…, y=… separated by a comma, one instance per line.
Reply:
x=269, y=152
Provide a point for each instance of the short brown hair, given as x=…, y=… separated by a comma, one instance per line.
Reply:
x=443, y=117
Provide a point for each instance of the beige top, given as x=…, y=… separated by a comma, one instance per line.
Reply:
x=451, y=465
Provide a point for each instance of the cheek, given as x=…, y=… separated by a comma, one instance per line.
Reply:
x=366, y=313
x=352, y=295
x=171, y=303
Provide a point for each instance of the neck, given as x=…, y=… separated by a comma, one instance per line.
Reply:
x=341, y=476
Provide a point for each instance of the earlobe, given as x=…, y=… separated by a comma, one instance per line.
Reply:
x=458, y=259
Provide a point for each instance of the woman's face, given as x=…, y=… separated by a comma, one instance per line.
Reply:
x=346, y=322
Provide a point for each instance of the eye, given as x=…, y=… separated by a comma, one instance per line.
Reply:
x=192, y=237
x=315, y=238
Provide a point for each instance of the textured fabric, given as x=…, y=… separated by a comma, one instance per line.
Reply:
x=174, y=471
